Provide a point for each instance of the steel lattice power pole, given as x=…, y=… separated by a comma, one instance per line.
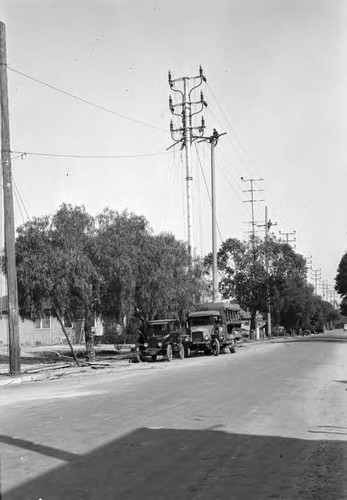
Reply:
x=9, y=230
x=187, y=133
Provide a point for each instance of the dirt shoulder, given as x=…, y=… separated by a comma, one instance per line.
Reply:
x=55, y=362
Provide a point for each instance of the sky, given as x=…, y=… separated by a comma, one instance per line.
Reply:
x=276, y=79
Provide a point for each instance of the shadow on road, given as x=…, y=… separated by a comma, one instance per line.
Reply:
x=38, y=448
x=206, y=464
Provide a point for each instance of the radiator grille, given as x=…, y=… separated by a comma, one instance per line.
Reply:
x=197, y=336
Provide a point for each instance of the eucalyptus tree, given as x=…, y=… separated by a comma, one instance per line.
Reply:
x=55, y=267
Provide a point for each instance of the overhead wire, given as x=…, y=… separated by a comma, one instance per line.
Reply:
x=16, y=190
x=240, y=150
x=234, y=135
x=86, y=101
x=82, y=156
x=18, y=198
x=207, y=189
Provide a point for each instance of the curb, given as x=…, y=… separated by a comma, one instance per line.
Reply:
x=7, y=380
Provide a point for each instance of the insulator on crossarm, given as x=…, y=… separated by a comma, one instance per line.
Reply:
x=170, y=103
x=202, y=122
x=202, y=100
x=171, y=126
x=201, y=74
x=170, y=79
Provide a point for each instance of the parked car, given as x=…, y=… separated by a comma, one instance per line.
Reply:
x=279, y=331
x=162, y=337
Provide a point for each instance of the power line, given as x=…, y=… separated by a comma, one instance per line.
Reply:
x=17, y=193
x=19, y=206
x=85, y=101
x=206, y=186
x=244, y=157
x=98, y=157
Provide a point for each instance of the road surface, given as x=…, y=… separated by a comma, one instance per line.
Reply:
x=269, y=422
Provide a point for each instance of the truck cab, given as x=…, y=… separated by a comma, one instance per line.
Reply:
x=209, y=333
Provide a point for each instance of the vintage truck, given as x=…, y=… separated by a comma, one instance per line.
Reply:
x=162, y=337
x=212, y=328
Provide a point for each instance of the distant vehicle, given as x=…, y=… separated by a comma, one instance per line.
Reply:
x=345, y=327
x=279, y=331
x=162, y=337
x=213, y=329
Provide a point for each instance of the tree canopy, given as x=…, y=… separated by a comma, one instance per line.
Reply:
x=111, y=265
x=261, y=272
x=341, y=283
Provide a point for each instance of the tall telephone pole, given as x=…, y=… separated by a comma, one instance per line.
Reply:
x=252, y=201
x=316, y=274
x=267, y=226
x=213, y=140
x=308, y=262
x=186, y=133
x=287, y=237
x=324, y=286
x=9, y=230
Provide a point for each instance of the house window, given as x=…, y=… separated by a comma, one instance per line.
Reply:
x=44, y=322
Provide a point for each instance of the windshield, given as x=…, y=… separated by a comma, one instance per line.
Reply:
x=203, y=320
x=158, y=330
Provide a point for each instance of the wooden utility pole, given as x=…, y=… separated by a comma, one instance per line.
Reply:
x=213, y=140
x=9, y=230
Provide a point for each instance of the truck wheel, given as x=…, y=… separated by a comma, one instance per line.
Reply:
x=187, y=352
x=181, y=352
x=169, y=353
x=233, y=347
x=154, y=357
x=215, y=347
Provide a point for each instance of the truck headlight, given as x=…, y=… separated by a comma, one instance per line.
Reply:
x=145, y=344
x=206, y=337
x=160, y=344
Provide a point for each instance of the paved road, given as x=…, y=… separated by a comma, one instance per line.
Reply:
x=269, y=422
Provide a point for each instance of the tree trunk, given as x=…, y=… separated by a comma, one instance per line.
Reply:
x=88, y=323
x=253, y=324
x=66, y=336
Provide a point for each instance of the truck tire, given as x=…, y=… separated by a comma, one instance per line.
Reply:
x=154, y=357
x=215, y=347
x=181, y=352
x=233, y=347
x=168, y=355
x=186, y=352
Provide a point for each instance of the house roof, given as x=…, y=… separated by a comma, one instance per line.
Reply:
x=161, y=321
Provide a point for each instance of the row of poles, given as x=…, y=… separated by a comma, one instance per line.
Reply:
x=184, y=134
